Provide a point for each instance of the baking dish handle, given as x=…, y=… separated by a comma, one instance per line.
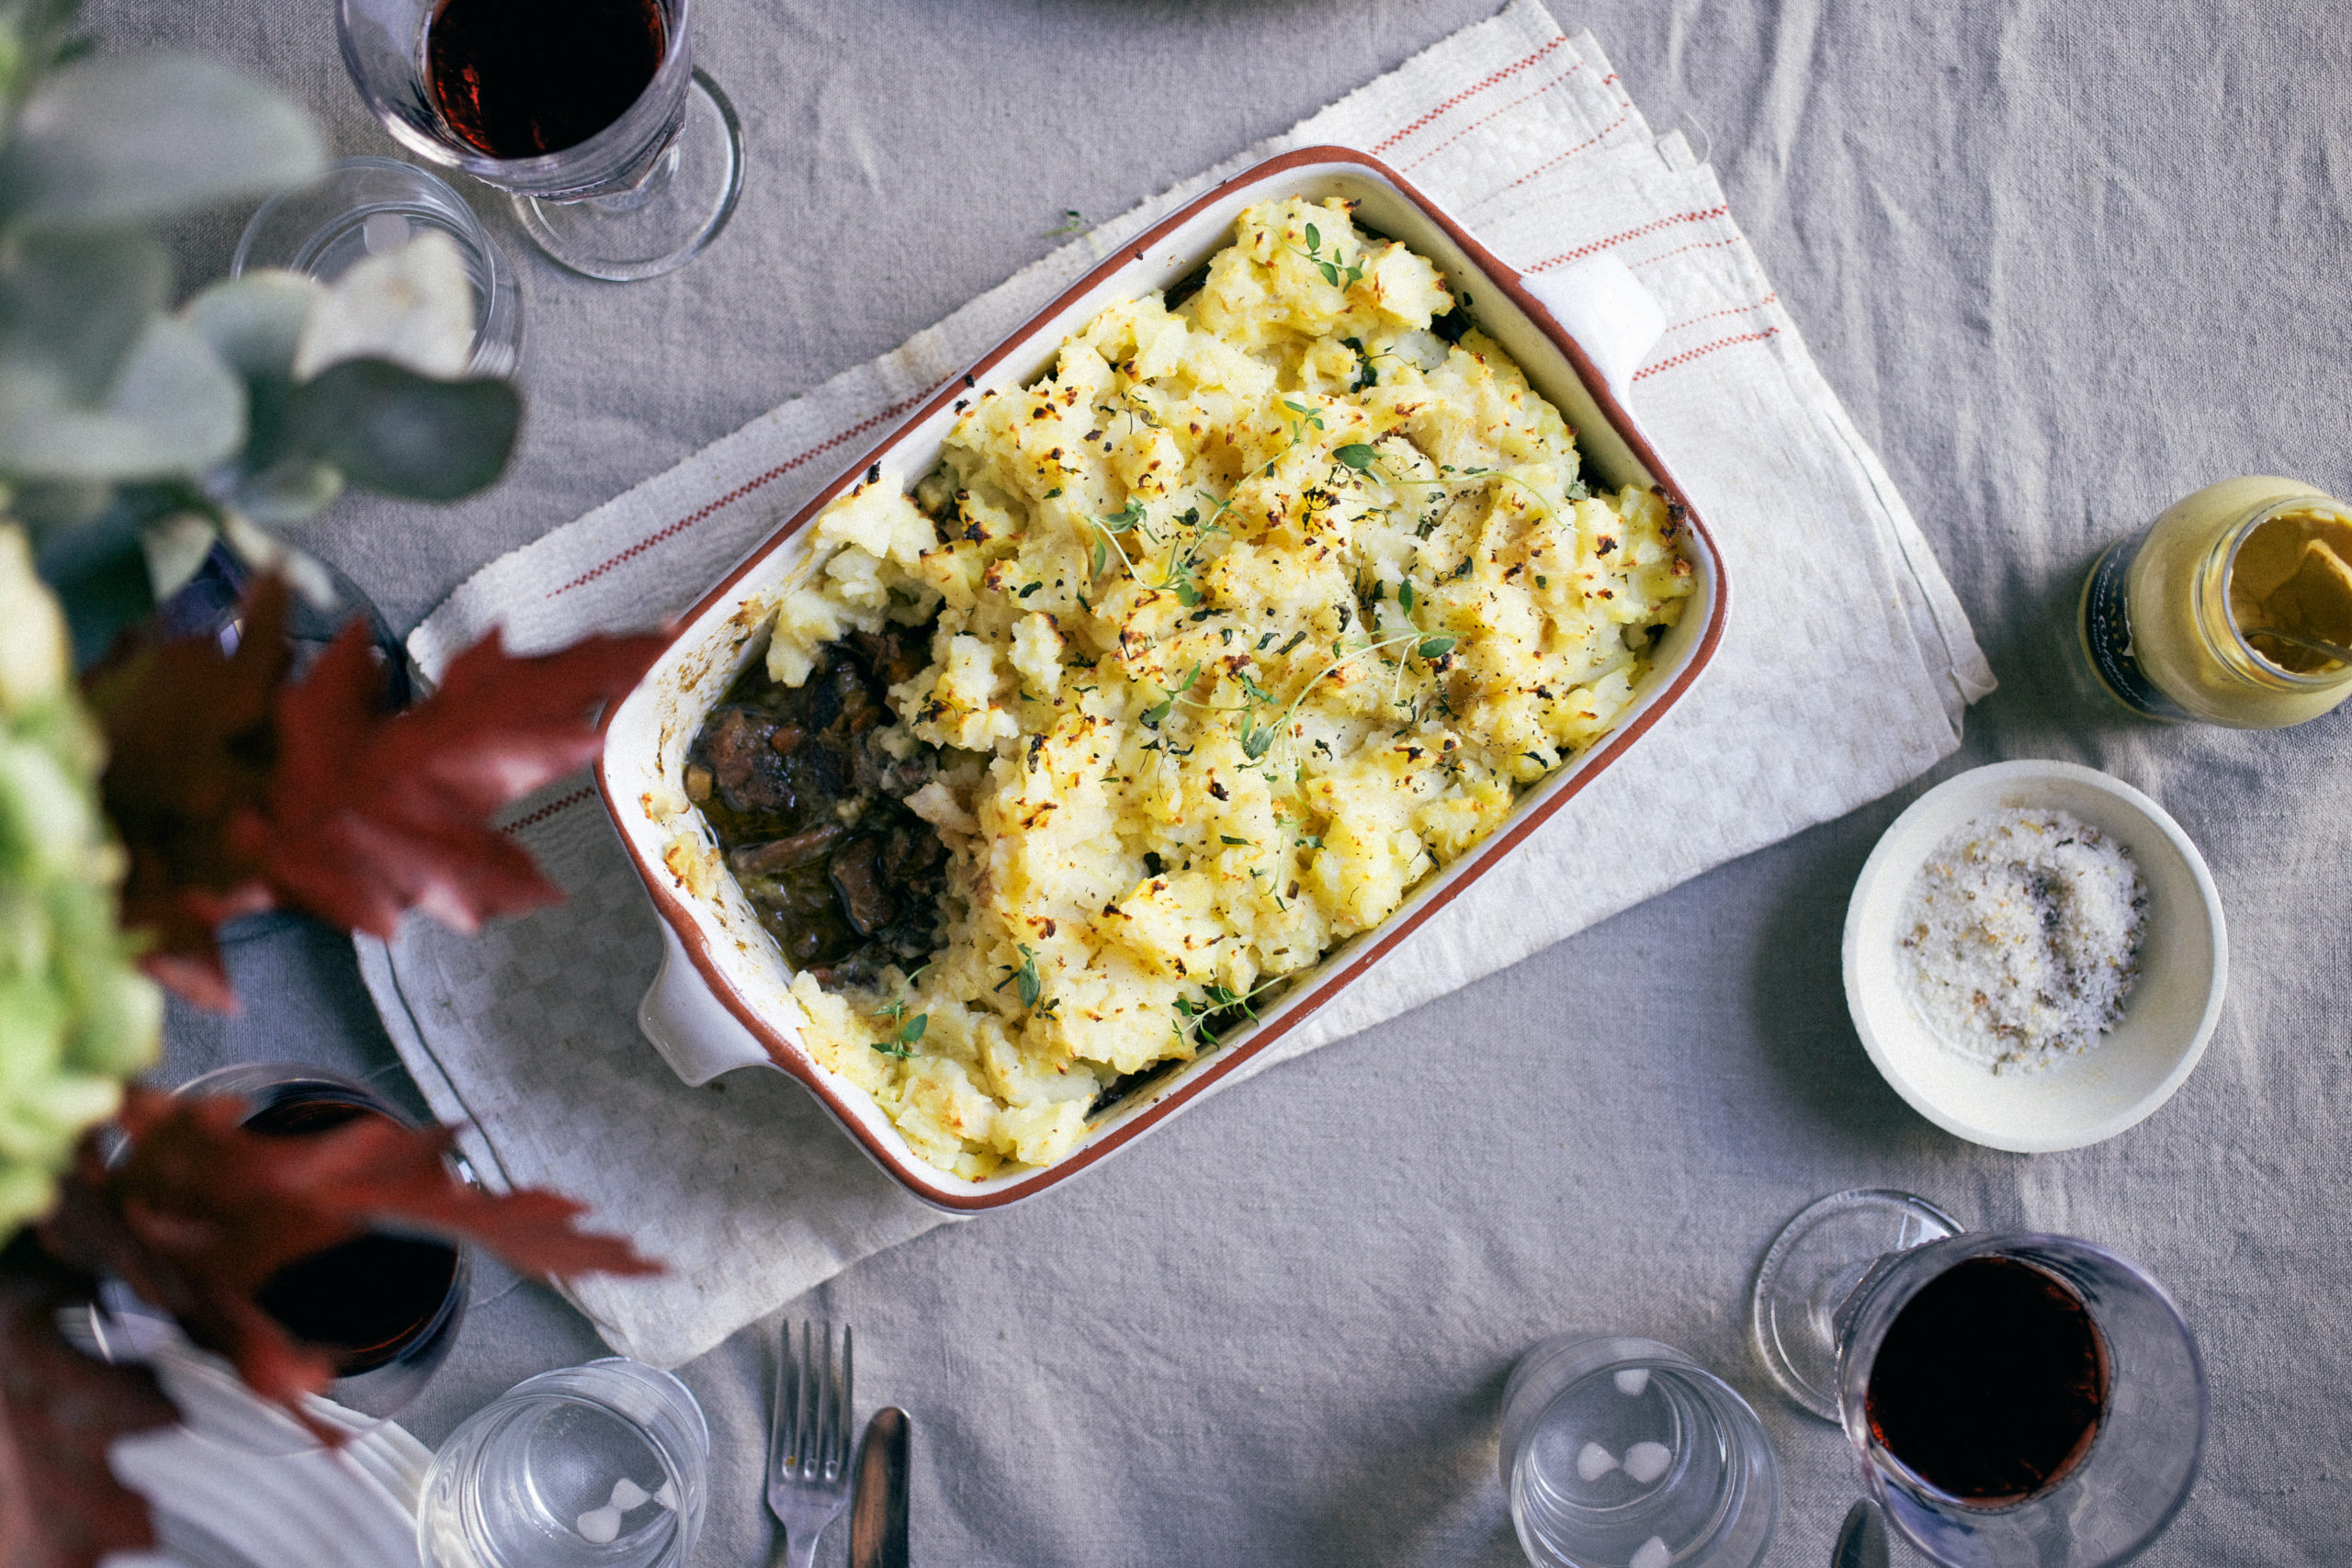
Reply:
x=1604, y=307
x=694, y=1031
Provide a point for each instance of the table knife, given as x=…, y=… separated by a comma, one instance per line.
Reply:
x=878, y=1508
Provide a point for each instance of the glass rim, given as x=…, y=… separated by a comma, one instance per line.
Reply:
x=267, y=1075
x=2222, y=565
x=543, y=169
x=470, y=221
x=1747, y=1515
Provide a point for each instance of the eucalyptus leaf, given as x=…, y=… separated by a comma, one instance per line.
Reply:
x=264, y=551
x=295, y=488
x=173, y=408
x=395, y=431
x=175, y=548
x=98, y=572
x=132, y=137
x=71, y=305
x=255, y=322
x=42, y=506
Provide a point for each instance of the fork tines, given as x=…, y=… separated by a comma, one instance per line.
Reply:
x=810, y=1435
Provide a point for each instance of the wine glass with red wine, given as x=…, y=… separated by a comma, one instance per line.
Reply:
x=2021, y=1399
x=385, y=1306
x=2017, y=1400
x=622, y=160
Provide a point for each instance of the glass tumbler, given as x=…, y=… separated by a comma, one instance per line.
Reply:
x=600, y=1466
x=1626, y=1453
x=2109, y=1504
x=365, y=206
x=643, y=195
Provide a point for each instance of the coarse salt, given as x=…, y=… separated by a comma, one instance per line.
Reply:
x=2020, y=937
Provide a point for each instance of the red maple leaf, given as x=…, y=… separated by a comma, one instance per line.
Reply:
x=190, y=743
x=201, y=1213
x=60, y=1507
x=235, y=792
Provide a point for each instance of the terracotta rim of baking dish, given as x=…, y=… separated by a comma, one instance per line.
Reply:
x=673, y=908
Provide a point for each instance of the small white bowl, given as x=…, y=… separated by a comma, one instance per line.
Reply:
x=2167, y=1017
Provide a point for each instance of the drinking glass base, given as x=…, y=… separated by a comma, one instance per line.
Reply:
x=667, y=219
x=1810, y=1269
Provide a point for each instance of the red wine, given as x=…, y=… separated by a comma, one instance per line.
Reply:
x=1990, y=1382
x=520, y=78
x=369, y=1301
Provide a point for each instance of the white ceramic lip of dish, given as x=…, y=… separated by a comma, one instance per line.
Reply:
x=721, y=999
x=2167, y=1019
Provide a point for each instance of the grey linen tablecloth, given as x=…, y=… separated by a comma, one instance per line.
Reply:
x=2064, y=264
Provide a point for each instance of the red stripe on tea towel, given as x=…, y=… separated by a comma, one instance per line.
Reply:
x=1687, y=356
x=1507, y=108
x=1650, y=228
x=1727, y=310
x=551, y=808
x=746, y=488
x=1701, y=246
x=1558, y=158
x=1463, y=97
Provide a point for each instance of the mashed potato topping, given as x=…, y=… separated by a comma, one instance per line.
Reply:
x=1246, y=618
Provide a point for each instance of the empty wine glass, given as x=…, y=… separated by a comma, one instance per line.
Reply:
x=622, y=159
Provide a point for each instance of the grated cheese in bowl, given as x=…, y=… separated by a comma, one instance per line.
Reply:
x=2021, y=937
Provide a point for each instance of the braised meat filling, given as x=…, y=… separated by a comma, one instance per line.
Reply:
x=807, y=808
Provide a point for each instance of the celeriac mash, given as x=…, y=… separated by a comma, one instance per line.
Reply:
x=1245, y=619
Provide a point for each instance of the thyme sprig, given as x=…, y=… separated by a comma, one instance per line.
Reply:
x=1256, y=741
x=1194, y=1016
x=1336, y=269
x=906, y=1032
x=1026, y=981
x=1128, y=519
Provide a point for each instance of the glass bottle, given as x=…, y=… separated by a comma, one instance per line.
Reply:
x=2172, y=619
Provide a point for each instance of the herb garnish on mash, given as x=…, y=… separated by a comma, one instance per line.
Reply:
x=1246, y=618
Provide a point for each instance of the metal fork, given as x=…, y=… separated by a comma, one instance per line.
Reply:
x=809, y=1442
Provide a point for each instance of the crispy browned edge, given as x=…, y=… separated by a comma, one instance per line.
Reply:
x=672, y=908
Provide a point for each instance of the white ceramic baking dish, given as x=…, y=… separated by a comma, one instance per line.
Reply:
x=721, y=999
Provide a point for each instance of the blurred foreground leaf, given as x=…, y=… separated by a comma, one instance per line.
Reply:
x=255, y=322
x=98, y=571
x=143, y=137
x=370, y=815
x=201, y=1213
x=71, y=305
x=392, y=430
x=172, y=408
x=233, y=794
x=60, y=1410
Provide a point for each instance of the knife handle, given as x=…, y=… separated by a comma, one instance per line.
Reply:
x=877, y=1509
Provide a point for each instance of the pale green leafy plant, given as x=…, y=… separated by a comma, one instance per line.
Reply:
x=77, y=1017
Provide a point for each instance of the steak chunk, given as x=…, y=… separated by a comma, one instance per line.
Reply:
x=801, y=849
x=857, y=880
